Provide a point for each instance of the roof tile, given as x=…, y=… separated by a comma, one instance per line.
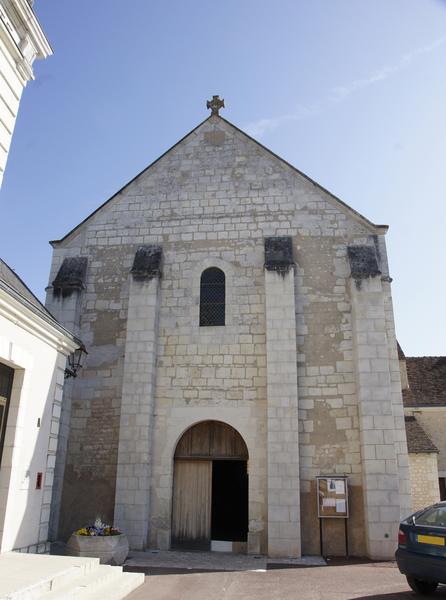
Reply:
x=427, y=381
x=418, y=442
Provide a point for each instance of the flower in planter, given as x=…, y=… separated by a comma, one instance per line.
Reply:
x=98, y=529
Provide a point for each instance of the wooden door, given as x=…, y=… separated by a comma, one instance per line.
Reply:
x=191, y=511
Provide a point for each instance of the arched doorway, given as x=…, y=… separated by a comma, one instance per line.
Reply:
x=210, y=488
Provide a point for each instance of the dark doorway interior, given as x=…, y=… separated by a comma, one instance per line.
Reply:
x=442, y=484
x=229, y=515
x=6, y=377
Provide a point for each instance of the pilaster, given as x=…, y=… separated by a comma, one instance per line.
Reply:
x=401, y=450
x=381, y=486
x=50, y=472
x=135, y=435
x=64, y=301
x=282, y=403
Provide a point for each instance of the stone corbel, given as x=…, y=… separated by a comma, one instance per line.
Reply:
x=279, y=254
x=363, y=263
x=70, y=277
x=147, y=263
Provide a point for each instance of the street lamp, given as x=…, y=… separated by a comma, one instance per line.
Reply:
x=75, y=361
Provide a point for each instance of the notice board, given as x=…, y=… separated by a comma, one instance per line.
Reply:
x=332, y=497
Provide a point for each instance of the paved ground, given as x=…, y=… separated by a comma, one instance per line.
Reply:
x=174, y=561
x=371, y=581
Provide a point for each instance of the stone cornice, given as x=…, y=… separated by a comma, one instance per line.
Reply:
x=24, y=38
x=18, y=62
x=32, y=25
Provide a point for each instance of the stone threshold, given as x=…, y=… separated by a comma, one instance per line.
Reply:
x=214, y=561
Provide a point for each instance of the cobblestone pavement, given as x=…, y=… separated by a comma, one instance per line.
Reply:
x=374, y=581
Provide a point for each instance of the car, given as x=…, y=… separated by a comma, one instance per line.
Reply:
x=421, y=553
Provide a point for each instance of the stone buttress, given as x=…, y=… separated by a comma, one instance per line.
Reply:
x=384, y=482
x=282, y=400
x=134, y=452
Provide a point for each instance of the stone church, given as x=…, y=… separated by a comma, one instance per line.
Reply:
x=241, y=343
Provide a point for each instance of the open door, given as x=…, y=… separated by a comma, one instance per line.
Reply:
x=210, y=487
x=191, y=514
x=229, y=514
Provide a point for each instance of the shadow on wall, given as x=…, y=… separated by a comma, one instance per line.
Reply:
x=88, y=489
x=80, y=507
x=87, y=456
x=333, y=530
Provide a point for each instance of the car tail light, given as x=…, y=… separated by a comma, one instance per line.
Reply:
x=402, y=538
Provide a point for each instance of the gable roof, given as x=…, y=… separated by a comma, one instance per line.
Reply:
x=379, y=229
x=418, y=442
x=12, y=284
x=427, y=381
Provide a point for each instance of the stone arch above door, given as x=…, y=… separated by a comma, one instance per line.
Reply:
x=211, y=440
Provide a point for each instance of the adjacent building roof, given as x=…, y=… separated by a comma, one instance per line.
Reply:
x=427, y=381
x=11, y=283
x=418, y=441
x=401, y=355
x=10, y=277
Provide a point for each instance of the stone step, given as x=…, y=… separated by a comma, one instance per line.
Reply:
x=30, y=576
x=63, y=579
x=43, y=577
x=117, y=590
x=92, y=582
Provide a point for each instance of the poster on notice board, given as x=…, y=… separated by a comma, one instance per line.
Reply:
x=332, y=497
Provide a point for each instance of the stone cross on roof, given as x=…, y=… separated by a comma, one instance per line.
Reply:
x=215, y=104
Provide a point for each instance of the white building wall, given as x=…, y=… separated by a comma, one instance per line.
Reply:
x=21, y=42
x=29, y=448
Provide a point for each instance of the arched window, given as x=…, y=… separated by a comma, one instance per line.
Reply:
x=212, y=297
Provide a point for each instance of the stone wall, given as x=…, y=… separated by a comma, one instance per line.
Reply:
x=424, y=479
x=211, y=201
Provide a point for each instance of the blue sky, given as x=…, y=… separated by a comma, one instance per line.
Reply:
x=351, y=92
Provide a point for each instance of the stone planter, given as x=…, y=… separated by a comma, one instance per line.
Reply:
x=110, y=549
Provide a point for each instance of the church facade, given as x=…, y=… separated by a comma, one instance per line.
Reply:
x=239, y=324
